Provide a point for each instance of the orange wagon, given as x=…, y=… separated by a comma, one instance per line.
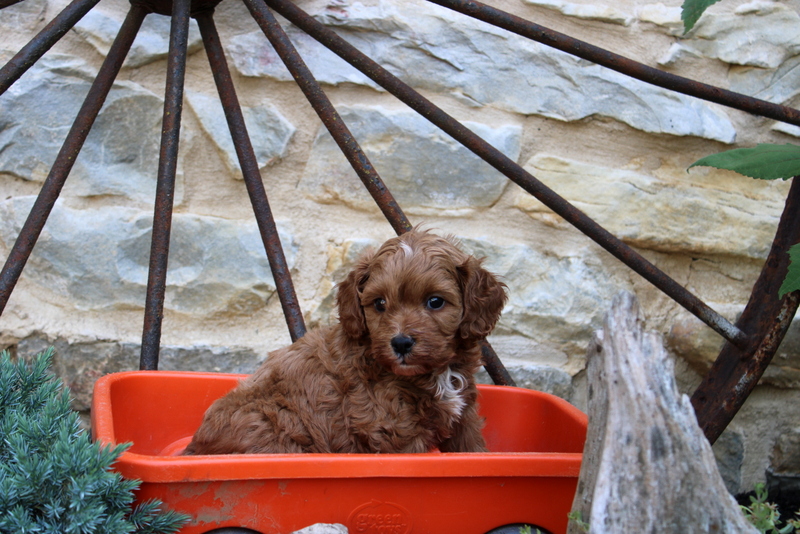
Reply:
x=529, y=477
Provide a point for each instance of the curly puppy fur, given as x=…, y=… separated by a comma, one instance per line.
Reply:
x=395, y=375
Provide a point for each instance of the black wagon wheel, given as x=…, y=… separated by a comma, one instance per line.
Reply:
x=750, y=343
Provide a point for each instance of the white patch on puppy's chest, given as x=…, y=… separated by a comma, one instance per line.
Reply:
x=449, y=386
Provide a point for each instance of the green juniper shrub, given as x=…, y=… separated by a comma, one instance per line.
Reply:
x=53, y=479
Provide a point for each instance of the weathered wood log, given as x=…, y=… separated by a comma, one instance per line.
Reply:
x=647, y=467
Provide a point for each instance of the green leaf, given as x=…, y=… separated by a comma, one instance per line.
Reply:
x=691, y=11
x=792, y=280
x=765, y=161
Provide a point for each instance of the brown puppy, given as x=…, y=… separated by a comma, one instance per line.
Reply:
x=395, y=375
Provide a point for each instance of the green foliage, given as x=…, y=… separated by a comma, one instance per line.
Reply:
x=765, y=516
x=53, y=479
x=691, y=11
x=765, y=161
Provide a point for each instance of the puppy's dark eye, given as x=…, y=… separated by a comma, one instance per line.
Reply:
x=435, y=303
x=380, y=305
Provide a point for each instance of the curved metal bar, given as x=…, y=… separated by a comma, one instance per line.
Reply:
x=619, y=63
x=766, y=318
x=329, y=116
x=7, y=3
x=44, y=40
x=252, y=177
x=165, y=188
x=51, y=189
x=511, y=169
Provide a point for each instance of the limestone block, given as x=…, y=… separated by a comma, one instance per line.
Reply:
x=690, y=339
x=778, y=85
x=31, y=133
x=23, y=16
x=661, y=15
x=439, y=51
x=759, y=34
x=341, y=260
x=650, y=213
x=121, y=152
x=99, y=259
x=784, y=371
x=786, y=454
x=789, y=129
x=559, y=299
x=729, y=452
x=80, y=364
x=602, y=13
x=518, y=350
x=537, y=377
x=269, y=131
x=252, y=55
x=695, y=342
x=782, y=376
x=422, y=167
x=151, y=43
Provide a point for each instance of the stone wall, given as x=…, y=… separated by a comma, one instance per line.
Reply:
x=615, y=147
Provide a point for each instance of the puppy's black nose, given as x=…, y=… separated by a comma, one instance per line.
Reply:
x=402, y=344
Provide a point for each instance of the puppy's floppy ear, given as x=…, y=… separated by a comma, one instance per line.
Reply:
x=483, y=296
x=348, y=300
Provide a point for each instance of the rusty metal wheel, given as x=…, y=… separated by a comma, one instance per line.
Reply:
x=751, y=343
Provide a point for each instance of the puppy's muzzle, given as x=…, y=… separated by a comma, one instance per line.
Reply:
x=402, y=345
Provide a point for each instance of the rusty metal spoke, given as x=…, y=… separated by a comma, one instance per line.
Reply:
x=494, y=366
x=619, y=63
x=44, y=40
x=252, y=177
x=165, y=188
x=511, y=169
x=51, y=189
x=329, y=116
